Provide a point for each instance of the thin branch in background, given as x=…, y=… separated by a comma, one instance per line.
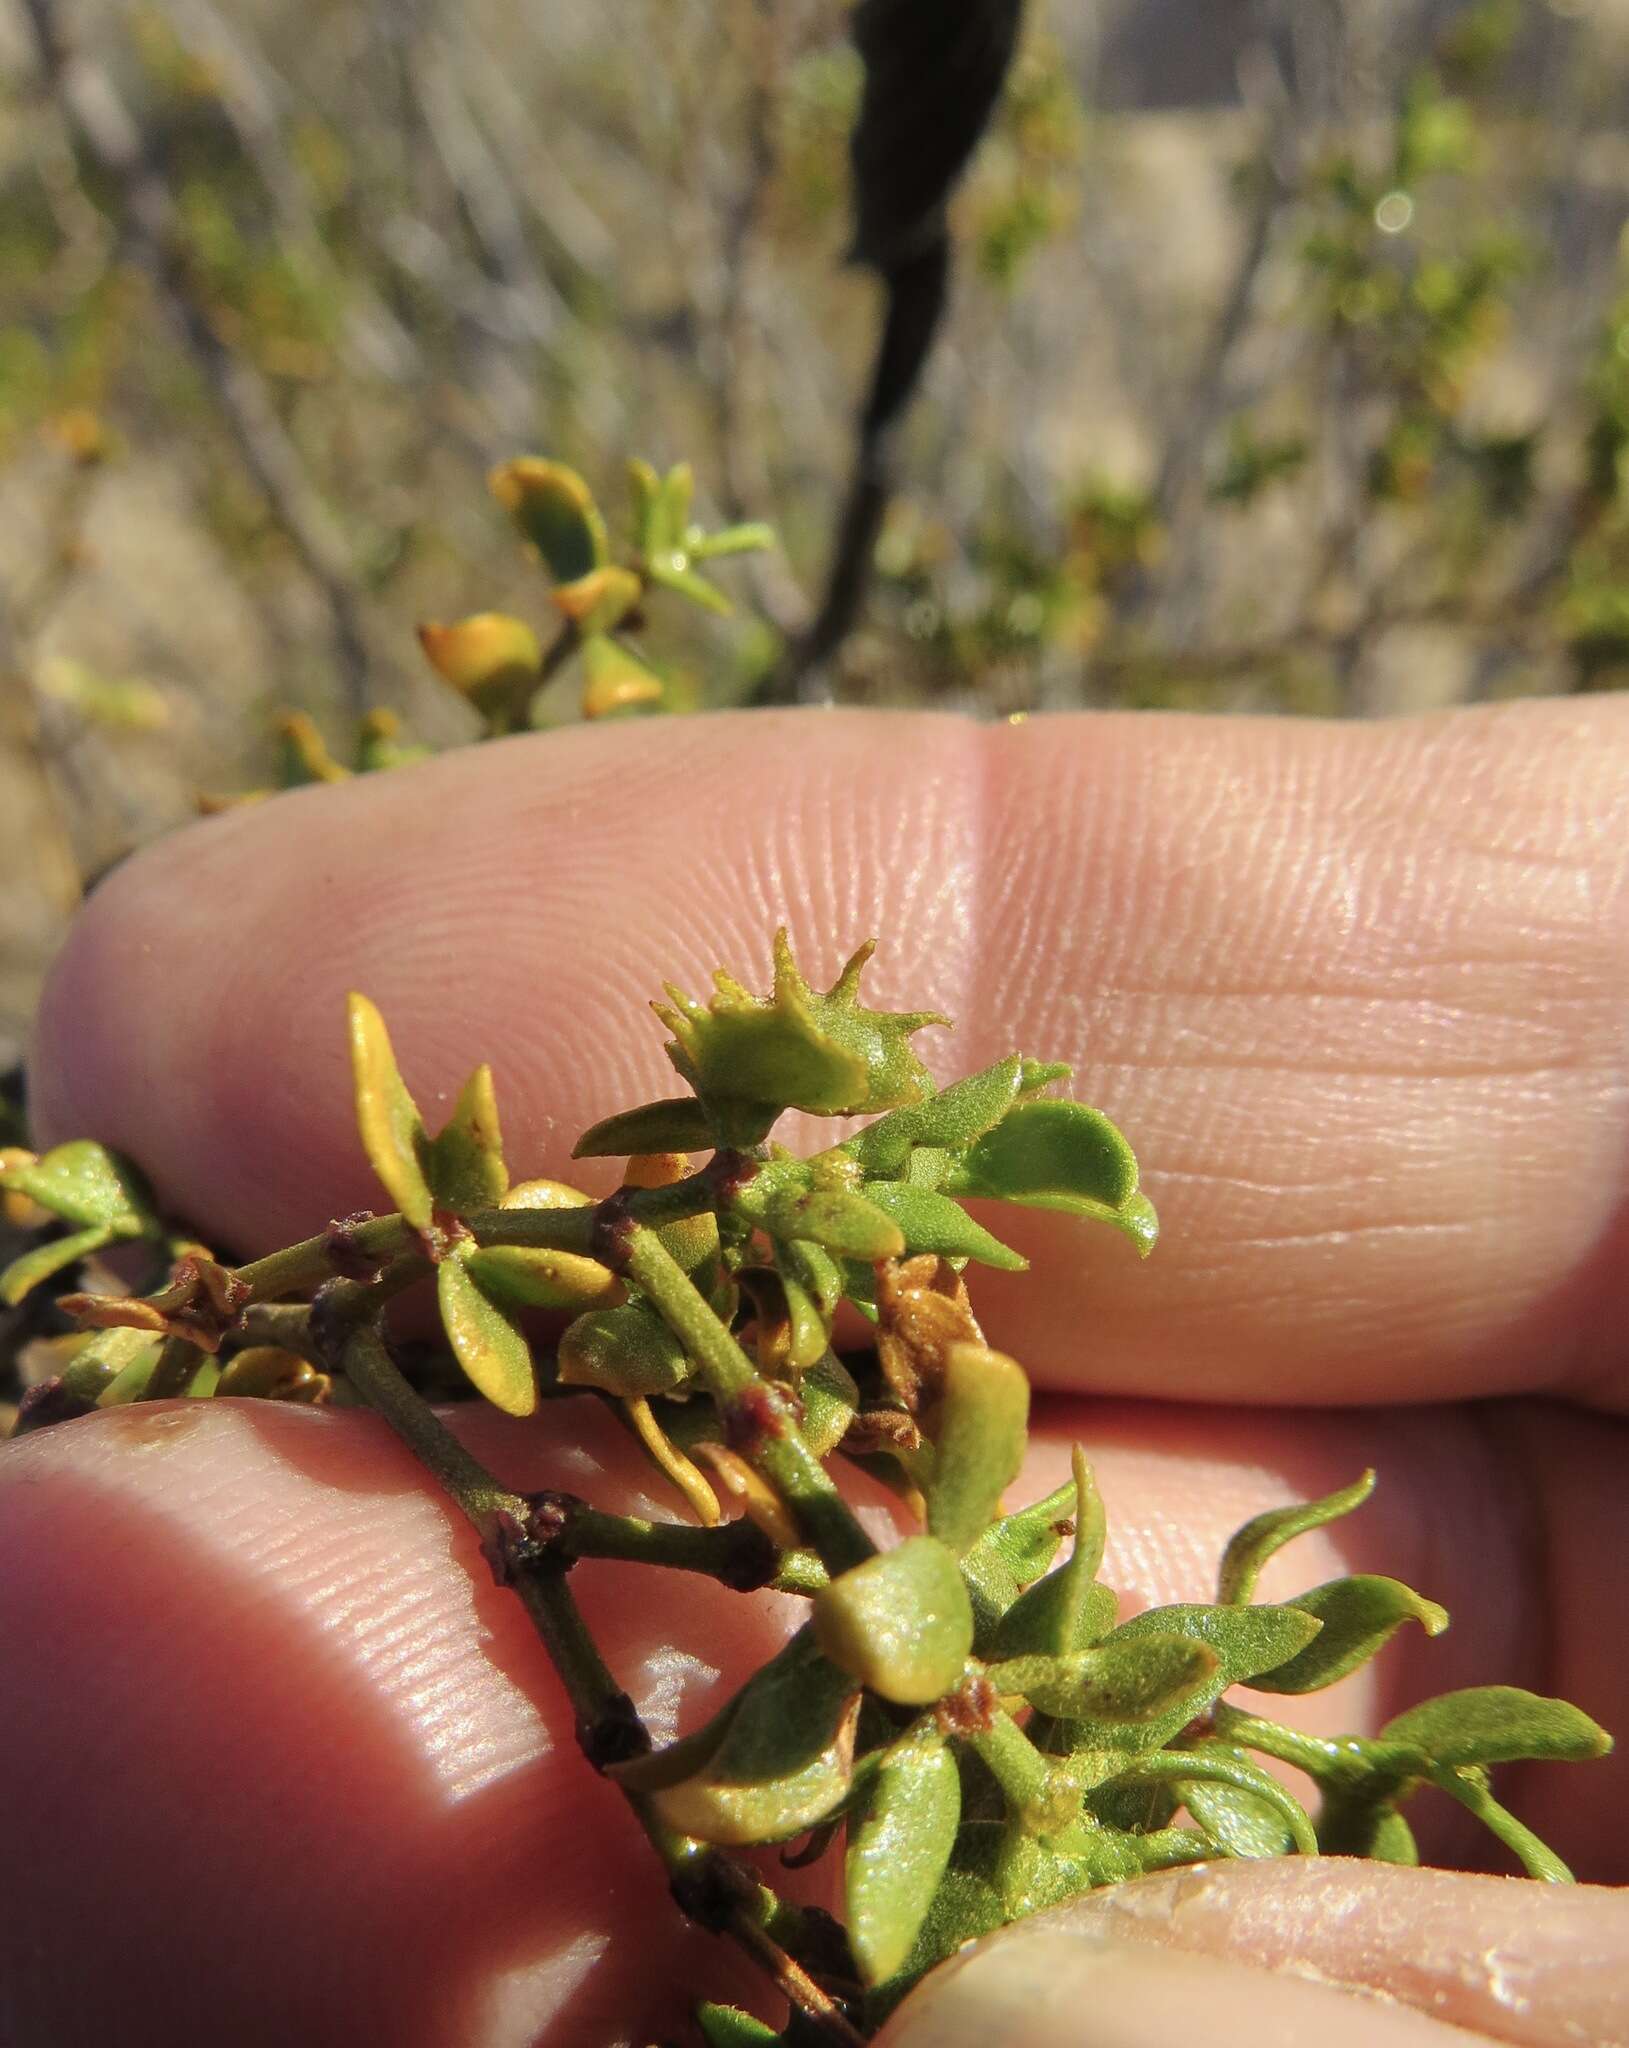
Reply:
x=105, y=129
x=929, y=93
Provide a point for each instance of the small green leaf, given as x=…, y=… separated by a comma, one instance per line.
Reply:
x=31, y=1267
x=679, y=1124
x=932, y=1222
x=393, y=1134
x=1053, y=1154
x=1010, y=1555
x=1537, y=1858
x=493, y=1353
x=85, y=1183
x=752, y=537
x=129, y=1383
x=1259, y=1539
x=1119, y=1681
x=464, y=1164
x=1184, y=1768
x=678, y=495
x=983, y=1419
x=899, y=1842
x=830, y=1400
x=555, y=511
x=627, y=1351
x=670, y=567
x=951, y=1119
x=1238, y=1821
x=1493, y=1724
x=1359, y=1615
x=1247, y=1641
x=96, y=1365
x=645, y=495
x=816, y=1271
x=727, y=2026
x=1067, y=1610
x=901, y=1623
x=849, y=1225
x=781, y=1755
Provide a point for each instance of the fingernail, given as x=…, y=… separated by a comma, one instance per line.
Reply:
x=1051, y=1988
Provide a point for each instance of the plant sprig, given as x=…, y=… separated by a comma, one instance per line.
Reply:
x=964, y=1710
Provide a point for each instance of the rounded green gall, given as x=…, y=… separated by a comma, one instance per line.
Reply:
x=797, y=1048
x=901, y=1623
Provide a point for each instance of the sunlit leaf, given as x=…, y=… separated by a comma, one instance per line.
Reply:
x=1240, y=1821
x=1128, y=1680
x=490, y=658
x=493, y=1353
x=526, y=1276
x=984, y=1413
x=950, y=1119
x=932, y=1222
x=901, y=1622
x=1247, y=1641
x=900, y=1838
x=393, y=1135
x=463, y=1164
x=1056, y=1154
x=85, y=1183
x=555, y=511
x=679, y=1124
x=849, y=1225
x=1492, y=1724
x=1260, y=1538
x=1359, y=1616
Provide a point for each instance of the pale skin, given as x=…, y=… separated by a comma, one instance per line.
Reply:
x=284, y=1767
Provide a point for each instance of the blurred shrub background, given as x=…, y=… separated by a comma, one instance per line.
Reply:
x=1288, y=366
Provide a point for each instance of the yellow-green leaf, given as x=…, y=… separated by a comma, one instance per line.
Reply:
x=984, y=1413
x=464, y=1162
x=27, y=1271
x=85, y=1183
x=393, y=1134
x=493, y=1353
x=555, y=511
x=1249, y=1549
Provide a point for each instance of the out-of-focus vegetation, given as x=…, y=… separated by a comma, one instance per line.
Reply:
x=1288, y=366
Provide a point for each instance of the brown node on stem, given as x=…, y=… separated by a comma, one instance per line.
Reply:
x=922, y=1310
x=613, y=1735
x=971, y=1709
x=752, y=1419
x=342, y=1251
x=614, y=1226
